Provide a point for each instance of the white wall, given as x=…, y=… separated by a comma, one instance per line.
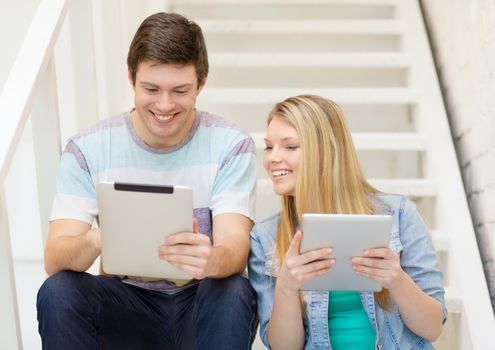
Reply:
x=463, y=37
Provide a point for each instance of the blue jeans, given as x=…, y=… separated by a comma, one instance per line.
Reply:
x=81, y=311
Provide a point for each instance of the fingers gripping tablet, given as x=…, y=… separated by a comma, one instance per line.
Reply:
x=349, y=235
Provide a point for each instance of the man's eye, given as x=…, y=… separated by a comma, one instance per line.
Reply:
x=151, y=90
x=181, y=92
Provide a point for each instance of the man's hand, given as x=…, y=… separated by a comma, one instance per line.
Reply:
x=188, y=251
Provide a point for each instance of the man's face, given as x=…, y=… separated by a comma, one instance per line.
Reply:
x=164, y=97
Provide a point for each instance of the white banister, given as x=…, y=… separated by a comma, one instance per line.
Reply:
x=33, y=57
x=10, y=332
x=47, y=143
x=18, y=95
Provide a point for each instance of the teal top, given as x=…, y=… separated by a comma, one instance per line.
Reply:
x=348, y=325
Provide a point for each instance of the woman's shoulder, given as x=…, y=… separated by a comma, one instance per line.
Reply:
x=388, y=203
x=266, y=227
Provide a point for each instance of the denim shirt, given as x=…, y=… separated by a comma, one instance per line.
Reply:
x=410, y=238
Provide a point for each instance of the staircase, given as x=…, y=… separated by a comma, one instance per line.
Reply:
x=370, y=56
x=373, y=58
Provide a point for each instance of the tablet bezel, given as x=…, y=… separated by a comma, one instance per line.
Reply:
x=349, y=235
x=125, y=210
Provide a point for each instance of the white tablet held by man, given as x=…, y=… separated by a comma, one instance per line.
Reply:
x=134, y=220
x=349, y=235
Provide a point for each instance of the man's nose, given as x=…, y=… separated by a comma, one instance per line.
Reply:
x=165, y=103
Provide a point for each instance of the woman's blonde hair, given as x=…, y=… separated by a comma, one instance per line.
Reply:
x=329, y=178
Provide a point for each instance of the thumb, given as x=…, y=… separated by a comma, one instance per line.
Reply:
x=295, y=244
x=195, y=225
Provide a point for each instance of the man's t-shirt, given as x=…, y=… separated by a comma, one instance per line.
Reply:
x=216, y=160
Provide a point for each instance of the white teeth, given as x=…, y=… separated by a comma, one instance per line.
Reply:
x=280, y=172
x=164, y=117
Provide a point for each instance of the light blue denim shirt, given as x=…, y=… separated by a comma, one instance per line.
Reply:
x=410, y=238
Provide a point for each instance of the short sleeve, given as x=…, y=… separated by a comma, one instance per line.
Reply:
x=75, y=196
x=235, y=183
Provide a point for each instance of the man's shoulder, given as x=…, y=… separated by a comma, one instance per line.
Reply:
x=215, y=122
x=101, y=127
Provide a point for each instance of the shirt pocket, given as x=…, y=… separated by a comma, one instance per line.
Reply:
x=271, y=266
x=395, y=242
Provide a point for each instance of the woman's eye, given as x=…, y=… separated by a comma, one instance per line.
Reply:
x=268, y=148
x=292, y=148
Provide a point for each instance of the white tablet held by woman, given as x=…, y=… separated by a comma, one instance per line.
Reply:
x=134, y=220
x=349, y=235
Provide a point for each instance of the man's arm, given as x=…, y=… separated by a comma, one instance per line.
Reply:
x=231, y=245
x=71, y=245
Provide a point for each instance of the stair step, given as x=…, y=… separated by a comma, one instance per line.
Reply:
x=453, y=301
x=287, y=2
x=285, y=10
x=373, y=141
x=345, y=95
x=361, y=60
x=407, y=187
x=440, y=241
x=349, y=27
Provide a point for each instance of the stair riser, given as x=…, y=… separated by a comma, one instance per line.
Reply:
x=376, y=164
x=306, y=11
x=263, y=42
x=360, y=117
x=316, y=77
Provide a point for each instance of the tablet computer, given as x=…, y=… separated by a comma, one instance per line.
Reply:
x=134, y=220
x=349, y=235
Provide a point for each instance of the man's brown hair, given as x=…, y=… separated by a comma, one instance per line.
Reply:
x=168, y=38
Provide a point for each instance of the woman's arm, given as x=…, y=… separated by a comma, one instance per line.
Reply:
x=421, y=313
x=413, y=278
x=285, y=328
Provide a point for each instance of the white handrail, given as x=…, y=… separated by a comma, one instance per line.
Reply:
x=33, y=57
x=16, y=100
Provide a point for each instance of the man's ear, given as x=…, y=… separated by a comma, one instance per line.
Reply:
x=129, y=76
x=201, y=85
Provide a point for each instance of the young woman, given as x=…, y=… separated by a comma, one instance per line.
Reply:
x=312, y=163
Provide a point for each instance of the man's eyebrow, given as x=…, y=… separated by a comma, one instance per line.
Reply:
x=147, y=83
x=183, y=86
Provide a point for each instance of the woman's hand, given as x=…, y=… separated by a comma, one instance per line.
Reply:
x=298, y=269
x=381, y=265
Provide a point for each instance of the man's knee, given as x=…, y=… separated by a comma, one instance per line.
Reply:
x=60, y=288
x=231, y=287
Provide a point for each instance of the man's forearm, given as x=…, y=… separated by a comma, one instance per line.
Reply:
x=226, y=261
x=76, y=253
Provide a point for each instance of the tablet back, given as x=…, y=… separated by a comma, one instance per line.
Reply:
x=349, y=235
x=134, y=220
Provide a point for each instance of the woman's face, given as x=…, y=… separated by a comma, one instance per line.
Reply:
x=282, y=156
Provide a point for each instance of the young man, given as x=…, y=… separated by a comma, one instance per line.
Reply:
x=164, y=140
